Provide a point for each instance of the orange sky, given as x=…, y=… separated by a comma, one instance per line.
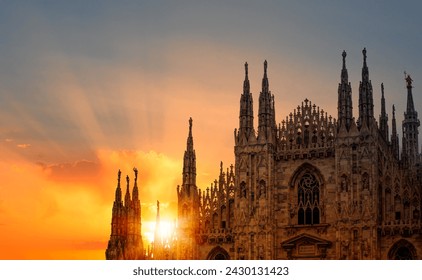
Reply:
x=87, y=90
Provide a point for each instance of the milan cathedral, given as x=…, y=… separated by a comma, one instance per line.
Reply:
x=309, y=187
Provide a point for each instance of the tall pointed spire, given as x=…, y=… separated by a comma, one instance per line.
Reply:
x=189, y=205
x=135, y=192
x=345, y=108
x=394, y=135
x=189, y=161
x=266, y=113
x=127, y=195
x=383, y=121
x=344, y=74
x=246, y=86
x=118, y=196
x=246, y=110
x=410, y=128
x=265, y=84
x=410, y=109
x=366, y=102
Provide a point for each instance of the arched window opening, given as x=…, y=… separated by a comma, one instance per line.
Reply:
x=218, y=253
x=308, y=216
x=308, y=200
x=301, y=216
x=315, y=217
x=403, y=253
x=402, y=250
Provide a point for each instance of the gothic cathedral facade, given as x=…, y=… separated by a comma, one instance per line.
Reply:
x=310, y=187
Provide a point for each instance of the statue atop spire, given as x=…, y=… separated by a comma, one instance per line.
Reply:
x=265, y=84
x=118, y=194
x=410, y=127
x=345, y=107
x=189, y=162
x=344, y=54
x=246, y=111
x=246, y=86
x=136, y=173
x=364, y=55
x=366, y=101
x=266, y=112
x=365, y=71
x=408, y=80
x=135, y=193
x=265, y=67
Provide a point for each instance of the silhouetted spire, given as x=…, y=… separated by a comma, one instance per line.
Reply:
x=366, y=102
x=118, y=196
x=265, y=84
x=394, y=136
x=127, y=195
x=246, y=110
x=383, y=117
x=410, y=128
x=189, y=161
x=345, y=108
x=344, y=74
x=135, y=192
x=266, y=113
x=246, y=86
x=410, y=109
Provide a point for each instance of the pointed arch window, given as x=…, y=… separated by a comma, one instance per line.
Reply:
x=308, y=200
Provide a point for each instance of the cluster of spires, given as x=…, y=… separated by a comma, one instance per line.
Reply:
x=366, y=119
x=126, y=240
x=217, y=197
x=268, y=131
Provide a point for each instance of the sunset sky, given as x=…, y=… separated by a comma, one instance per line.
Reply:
x=90, y=87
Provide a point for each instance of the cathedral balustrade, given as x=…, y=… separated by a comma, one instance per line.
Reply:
x=401, y=227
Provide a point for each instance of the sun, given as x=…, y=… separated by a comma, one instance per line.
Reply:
x=164, y=231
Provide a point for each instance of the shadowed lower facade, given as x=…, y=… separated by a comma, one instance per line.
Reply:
x=309, y=187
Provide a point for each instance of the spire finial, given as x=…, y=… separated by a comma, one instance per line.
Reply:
x=136, y=173
x=364, y=55
x=265, y=84
x=246, y=87
x=119, y=174
x=190, y=125
x=408, y=80
x=344, y=54
x=382, y=89
x=394, y=111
